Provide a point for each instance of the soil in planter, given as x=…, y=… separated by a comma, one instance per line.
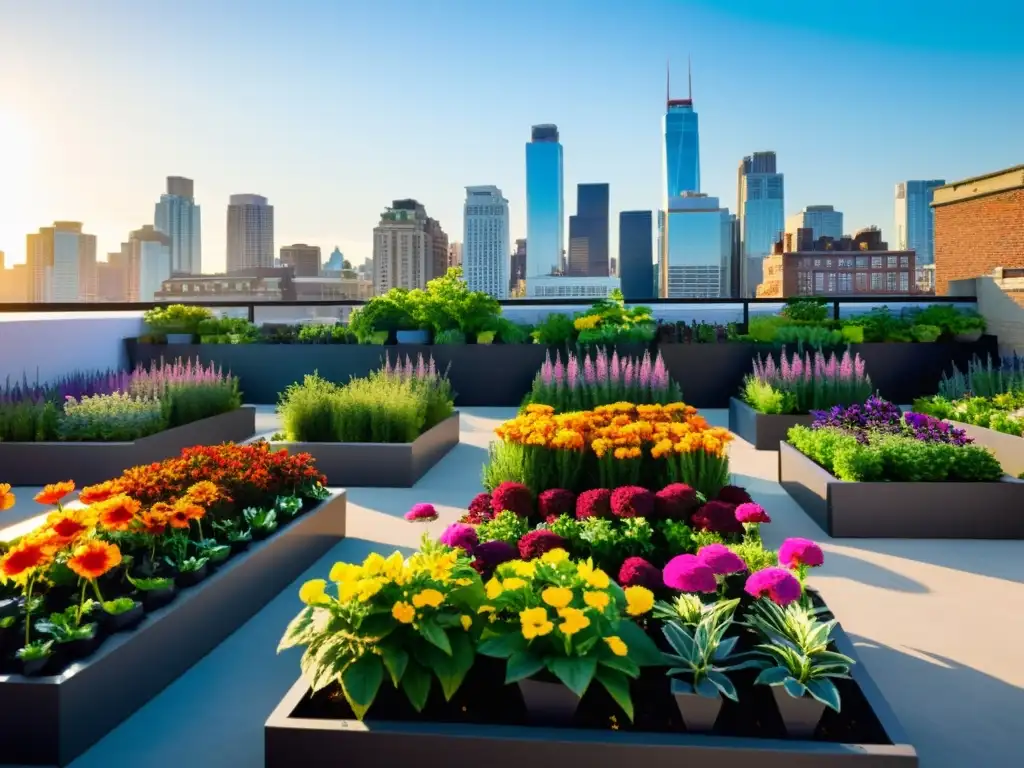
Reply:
x=484, y=699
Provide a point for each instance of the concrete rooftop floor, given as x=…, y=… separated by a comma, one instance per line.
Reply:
x=937, y=623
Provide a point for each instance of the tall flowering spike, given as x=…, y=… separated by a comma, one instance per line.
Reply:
x=858, y=366
x=659, y=378
x=409, y=370
x=616, y=369
x=832, y=367
x=846, y=367
x=388, y=370
x=784, y=368
x=645, y=371
x=421, y=367
x=589, y=372
x=547, y=371
x=602, y=366
x=559, y=371
x=572, y=371
x=819, y=365
x=432, y=368
x=808, y=367
x=769, y=368
x=628, y=373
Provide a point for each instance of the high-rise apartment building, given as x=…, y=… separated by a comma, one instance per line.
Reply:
x=822, y=220
x=61, y=263
x=250, y=232
x=150, y=262
x=409, y=248
x=485, y=241
x=696, y=237
x=636, y=255
x=588, y=232
x=303, y=259
x=545, y=206
x=681, y=156
x=915, y=219
x=517, y=272
x=455, y=254
x=177, y=216
x=760, y=209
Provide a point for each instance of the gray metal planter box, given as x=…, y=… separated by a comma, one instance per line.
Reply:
x=292, y=742
x=52, y=720
x=87, y=463
x=381, y=465
x=902, y=510
x=764, y=431
x=1009, y=449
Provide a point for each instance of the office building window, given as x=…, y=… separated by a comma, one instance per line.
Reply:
x=876, y=262
x=845, y=282
x=904, y=281
x=804, y=285
x=890, y=282
x=817, y=262
x=862, y=281
x=863, y=262
x=819, y=282
x=892, y=262
x=876, y=280
x=831, y=282
x=828, y=263
x=904, y=261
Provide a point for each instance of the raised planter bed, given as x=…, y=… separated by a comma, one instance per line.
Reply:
x=52, y=720
x=1009, y=449
x=764, y=431
x=902, y=510
x=298, y=736
x=41, y=463
x=381, y=465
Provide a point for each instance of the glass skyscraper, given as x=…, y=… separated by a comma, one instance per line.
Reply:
x=697, y=237
x=588, y=232
x=915, y=219
x=681, y=159
x=636, y=266
x=545, y=208
x=762, y=216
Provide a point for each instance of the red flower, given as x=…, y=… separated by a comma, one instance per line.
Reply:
x=632, y=501
x=513, y=497
x=595, y=503
x=637, y=572
x=479, y=510
x=555, y=502
x=676, y=502
x=535, y=543
x=717, y=517
x=733, y=494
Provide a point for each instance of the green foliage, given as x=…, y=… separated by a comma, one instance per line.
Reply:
x=508, y=332
x=506, y=526
x=881, y=324
x=556, y=329
x=394, y=311
x=753, y=553
x=678, y=536
x=925, y=333
x=1003, y=413
x=325, y=333
x=764, y=398
x=807, y=335
x=119, y=417
x=808, y=310
x=988, y=379
x=949, y=319
x=450, y=336
x=786, y=388
x=762, y=328
x=227, y=330
x=176, y=318
x=29, y=421
x=701, y=539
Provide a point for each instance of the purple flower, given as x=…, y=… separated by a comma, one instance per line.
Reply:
x=460, y=536
x=796, y=552
x=777, y=584
x=931, y=430
x=637, y=572
x=421, y=513
x=535, y=543
x=721, y=560
x=632, y=501
x=717, y=517
x=490, y=554
x=688, y=573
x=752, y=513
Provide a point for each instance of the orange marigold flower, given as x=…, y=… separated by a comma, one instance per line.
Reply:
x=193, y=511
x=23, y=557
x=94, y=558
x=162, y=509
x=179, y=517
x=7, y=498
x=65, y=527
x=204, y=492
x=153, y=523
x=54, y=493
x=93, y=494
x=117, y=513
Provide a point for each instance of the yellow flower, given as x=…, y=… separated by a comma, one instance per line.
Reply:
x=466, y=622
x=522, y=568
x=598, y=600
x=312, y=592
x=373, y=564
x=485, y=609
x=393, y=567
x=513, y=583
x=595, y=577
x=554, y=556
x=535, y=623
x=587, y=322
x=403, y=612
x=616, y=645
x=494, y=589
x=368, y=588
x=573, y=620
x=428, y=597
x=343, y=572
x=463, y=582
x=556, y=597
x=639, y=600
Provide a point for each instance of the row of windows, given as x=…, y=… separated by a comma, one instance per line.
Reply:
x=846, y=282
x=859, y=262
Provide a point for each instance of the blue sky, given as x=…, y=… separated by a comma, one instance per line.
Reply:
x=333, y=109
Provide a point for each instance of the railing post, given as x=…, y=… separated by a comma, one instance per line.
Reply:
x=746, y=316
x=252, y=312
x=835, y=309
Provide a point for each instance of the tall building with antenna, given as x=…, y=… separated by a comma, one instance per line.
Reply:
x=681, y=157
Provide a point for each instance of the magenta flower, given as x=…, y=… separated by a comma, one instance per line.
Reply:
x=460, y=536
x=535, y=543
x=637, y=572
x=777, y=584
x=751, y=513
x=595, y=503
x=421, y=513
x=676, y=501
x=632, y=501
x=721, y=560
x=555, y=502
x=512, y=497
x=688, y=573
x=800, y=552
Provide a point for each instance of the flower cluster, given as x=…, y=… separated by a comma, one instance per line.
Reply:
x=875, y=415
x=806, y=382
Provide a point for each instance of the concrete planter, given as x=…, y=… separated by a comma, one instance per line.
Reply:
x=88, y=463
x=381, y=465
x=1009, y=449
x=52, y=720
x=764, y=431
x=902, y=510
x=295, y=742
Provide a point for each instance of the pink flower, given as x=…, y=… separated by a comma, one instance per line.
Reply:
x=632, y=501
x=721, y=560
x=688, y=573
x=797, y=552
x=460, y=536
x=752, y=513
x=421, y=513
x=777, y=584
x=637, y=572
x=555, y=502
x=595, y=503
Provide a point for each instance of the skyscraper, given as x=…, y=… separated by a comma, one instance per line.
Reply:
x=485, y=246
x=150, y=259
x=250, y=232
x=61, y=262
x=824, y=220
x=636, y=265
x=518, y=269
x=588, y=232
x=303, y=259
x=336, y=261
x=545, y=206
x=406, y=247
x=696, y=236
x=761, y=213
x=177, y=216
x=681, y=158
x=915, y=219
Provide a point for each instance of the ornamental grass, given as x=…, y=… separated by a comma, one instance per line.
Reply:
x=615, y=445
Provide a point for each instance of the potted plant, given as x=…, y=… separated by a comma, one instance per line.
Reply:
x=179, y=323
x=800, y=667
x=261, y=521
x=35, y=657
x=700, y=659
x=157, y=591
x=121, y=613
x=561, y=625
x=72, y=638
x=190, y=570
x=968, y=326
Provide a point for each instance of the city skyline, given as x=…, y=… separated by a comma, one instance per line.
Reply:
x=329, y=175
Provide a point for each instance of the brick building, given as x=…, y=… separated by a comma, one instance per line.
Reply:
x=861, y=265
x=979, y=226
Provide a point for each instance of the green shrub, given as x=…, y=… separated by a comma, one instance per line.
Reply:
x=505, y=462
x=176, y=318
x=925, y=333
x=325, y=333
x=451, y=336
x=808, y=310
x=185, y=403
x=309, y=411
x=29, y=421
x=111, y=418
x=807, y=335
x=556, y=329
x=764, y=398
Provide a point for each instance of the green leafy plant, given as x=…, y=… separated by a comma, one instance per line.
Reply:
x=325, y=333
x=505, y=526
x=450, y=336
x=111, y=418
x=119, y=606
x=809, y=336
x=556, y=329
x=806, y=310
x=176, y=318
x=925, y=333
x=36, y=650
x=260, y=519
x=150, y=584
